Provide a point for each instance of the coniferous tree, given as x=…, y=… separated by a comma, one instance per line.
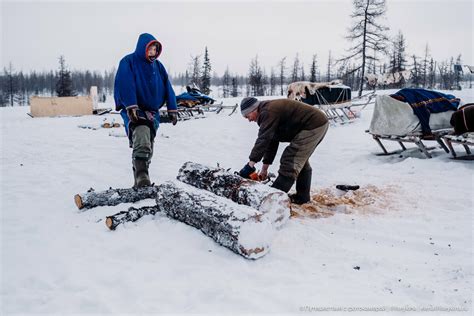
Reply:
x=226, y=84
x=328, y=75
x=432, y=74
x=206, y=74
x=366, y=33
x=314, y=68
x=282, y=73
x=458, y=72
x=401, y=58
x=256, y=78
x=64, y=84
x=296, y=67
x=273, y=81
x=11, y=85
x=195, y=70
x=424, y=66
x=235, y=87
x=416, y=75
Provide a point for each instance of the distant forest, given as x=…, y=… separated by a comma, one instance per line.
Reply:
x=374, y=60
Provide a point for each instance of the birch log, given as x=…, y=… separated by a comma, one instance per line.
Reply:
x=271, y=203
x=237, y=227
x=113, y=197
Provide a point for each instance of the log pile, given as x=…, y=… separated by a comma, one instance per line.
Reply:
x=271, y=203
x=237, y=213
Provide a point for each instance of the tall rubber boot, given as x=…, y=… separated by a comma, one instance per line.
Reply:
x=283, y=183
x=134, y=177
x=303, y=187
x=142, y=179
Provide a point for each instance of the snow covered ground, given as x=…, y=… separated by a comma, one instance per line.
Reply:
x=413, y=252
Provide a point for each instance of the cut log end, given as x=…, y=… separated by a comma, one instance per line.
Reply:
x=78, y=200
x=253, y=253
x=109, y=223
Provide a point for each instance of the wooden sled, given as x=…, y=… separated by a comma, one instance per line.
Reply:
x=416, y=138
x=466, y=140
x=342, y=113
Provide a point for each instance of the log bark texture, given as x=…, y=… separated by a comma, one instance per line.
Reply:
x=113, y=197
x=271, y=203
x=131, y=215
x=237, y=227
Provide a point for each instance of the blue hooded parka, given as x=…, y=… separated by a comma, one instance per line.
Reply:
x=143, y=82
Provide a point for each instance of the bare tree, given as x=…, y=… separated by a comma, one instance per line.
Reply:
x=366, y=33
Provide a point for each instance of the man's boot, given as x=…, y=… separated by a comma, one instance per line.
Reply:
x=142, y=179
x=134, y=177
x=283, y=183
x=303, y=187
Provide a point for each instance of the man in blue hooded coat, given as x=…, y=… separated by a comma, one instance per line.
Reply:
x=141, y=88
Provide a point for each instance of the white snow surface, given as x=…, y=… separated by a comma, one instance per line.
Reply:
x=414, y=252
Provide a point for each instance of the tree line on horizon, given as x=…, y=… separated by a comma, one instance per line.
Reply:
x=372, y=51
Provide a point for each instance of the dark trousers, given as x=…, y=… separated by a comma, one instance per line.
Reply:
x=295, y=156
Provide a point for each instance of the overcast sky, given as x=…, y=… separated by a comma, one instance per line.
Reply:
x=95, y=35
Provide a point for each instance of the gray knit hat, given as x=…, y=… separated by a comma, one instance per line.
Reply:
x=248, y=104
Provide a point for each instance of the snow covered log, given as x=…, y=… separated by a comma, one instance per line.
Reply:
x=237, y=227
x=131, y=215
x=271, y=203
x=113, y=197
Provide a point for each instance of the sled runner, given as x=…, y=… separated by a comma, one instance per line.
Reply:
x=415, y=138
x=333, y=98
x=466, y=140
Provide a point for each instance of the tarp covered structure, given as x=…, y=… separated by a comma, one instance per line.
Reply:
x=319, y=93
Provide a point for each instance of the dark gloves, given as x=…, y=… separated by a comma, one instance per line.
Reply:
x=247, y=171
x=173, y=117
x=132, y=113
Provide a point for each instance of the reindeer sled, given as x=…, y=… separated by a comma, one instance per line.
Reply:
x=333, y=98
x=394, y=120
x=193, y=104
x=463, y=122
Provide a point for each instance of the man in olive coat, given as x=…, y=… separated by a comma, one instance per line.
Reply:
x=285, y=120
